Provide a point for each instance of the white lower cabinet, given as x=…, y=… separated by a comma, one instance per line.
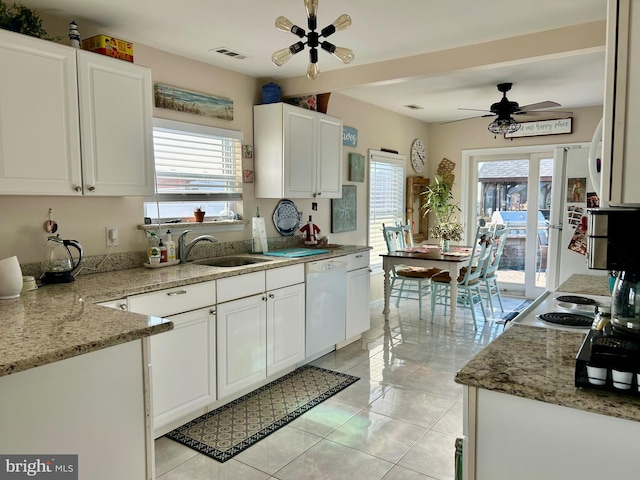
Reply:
x=183, y=360
x=358, y=286
x=285, y=328
x=260, y=335
x=184, y=366
x=242, y=344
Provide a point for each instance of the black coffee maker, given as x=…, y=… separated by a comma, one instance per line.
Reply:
x=613, y=245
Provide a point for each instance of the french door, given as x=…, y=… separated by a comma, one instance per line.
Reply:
x=513, y=188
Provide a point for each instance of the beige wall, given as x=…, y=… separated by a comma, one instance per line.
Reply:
x=448, y=141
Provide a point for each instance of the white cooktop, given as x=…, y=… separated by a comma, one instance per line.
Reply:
x=547, y=303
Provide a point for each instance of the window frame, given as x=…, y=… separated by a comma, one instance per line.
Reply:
x=195, y=199
x=398, y=162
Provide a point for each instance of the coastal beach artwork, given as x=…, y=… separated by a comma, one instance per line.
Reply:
x=197, y=103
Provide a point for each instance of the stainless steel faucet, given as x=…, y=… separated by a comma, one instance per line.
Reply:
x=185, y=248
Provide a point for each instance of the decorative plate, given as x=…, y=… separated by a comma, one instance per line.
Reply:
x=287, y=218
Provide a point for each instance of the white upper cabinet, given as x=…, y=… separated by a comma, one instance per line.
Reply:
x=116, y=126
x=298, y=152
x=39, y=126
x=620, y=166
x=53, y=99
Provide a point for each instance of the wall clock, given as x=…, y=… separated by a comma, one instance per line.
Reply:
x=418, y=155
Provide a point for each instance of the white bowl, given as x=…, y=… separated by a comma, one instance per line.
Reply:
x=10, y=278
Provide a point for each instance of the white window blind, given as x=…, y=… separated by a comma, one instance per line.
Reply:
x=386, y=199
x=200, y=162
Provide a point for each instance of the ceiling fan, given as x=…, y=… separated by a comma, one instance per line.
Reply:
x=505, y=109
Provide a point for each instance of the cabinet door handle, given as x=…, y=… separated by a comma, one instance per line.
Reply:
x=359, y=256
x=123, y=306
x=177, y=292
x=92, y=188
x=271, y=295
x=264, y=298
x=77, y=188
x=212, y=311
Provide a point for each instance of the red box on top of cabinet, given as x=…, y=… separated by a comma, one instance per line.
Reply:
x=110, y=46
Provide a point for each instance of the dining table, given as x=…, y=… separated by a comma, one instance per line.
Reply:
x=427, y=256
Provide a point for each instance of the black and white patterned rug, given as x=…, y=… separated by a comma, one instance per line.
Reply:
x=223, y=433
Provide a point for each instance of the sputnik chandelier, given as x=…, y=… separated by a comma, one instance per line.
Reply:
x=283, y=24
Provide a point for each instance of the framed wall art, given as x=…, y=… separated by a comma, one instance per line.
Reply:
x=356, y=167
x=344, y=210
x=188, y=101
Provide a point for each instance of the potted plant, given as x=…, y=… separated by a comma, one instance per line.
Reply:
x=438, y=199
x=199, y=214
x=21, y=19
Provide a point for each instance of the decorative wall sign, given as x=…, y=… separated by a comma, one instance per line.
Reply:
x=356, y=167
x=542, y=127
x=349, y=136
x=247, y=176
x=182, y=100
x=343, y=210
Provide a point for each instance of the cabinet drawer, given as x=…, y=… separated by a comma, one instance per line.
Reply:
x=357, y=260
x=240, y=286
x=285, y=276
x=174, y=300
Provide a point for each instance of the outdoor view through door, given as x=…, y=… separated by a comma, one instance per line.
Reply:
x=512, y=191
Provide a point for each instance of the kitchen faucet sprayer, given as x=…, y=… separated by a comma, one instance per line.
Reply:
x=185, y=248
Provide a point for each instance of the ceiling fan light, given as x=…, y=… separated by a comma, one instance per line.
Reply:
x=285, y=25
x=503, y=126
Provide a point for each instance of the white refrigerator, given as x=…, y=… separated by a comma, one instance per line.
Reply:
x=568, y=225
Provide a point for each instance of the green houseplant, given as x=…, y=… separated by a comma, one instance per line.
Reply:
x=438, y=199
x=21, y=19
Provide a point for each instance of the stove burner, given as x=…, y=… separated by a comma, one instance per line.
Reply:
x=568, y=319
x=576, y=299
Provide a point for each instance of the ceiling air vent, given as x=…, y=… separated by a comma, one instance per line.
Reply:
x=229, y=53
x=414, y=107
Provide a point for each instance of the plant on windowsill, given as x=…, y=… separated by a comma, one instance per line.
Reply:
x=199, y=214
x=438, y=199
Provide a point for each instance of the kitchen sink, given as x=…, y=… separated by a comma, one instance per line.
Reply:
x=230, y=261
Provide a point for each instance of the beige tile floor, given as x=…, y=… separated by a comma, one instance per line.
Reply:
x=399, y=421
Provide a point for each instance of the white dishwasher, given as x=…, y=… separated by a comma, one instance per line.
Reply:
x=326, y=305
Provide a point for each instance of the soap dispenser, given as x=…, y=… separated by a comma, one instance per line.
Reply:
x=171, y=247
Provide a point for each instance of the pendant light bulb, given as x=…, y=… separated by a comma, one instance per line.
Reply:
x=313, y=71
x=311, y=6
x=345, y=55
x=285, y=25
x=342, y=22
x=281, y=57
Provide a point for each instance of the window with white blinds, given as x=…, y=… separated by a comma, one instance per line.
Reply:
x=195, y=165
x=386, y=199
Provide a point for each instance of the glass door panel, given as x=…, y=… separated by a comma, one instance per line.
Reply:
x=517, y=191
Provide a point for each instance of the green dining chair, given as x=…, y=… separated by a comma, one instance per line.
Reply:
x=407, y=281
x=469, y=293
x=489, y=277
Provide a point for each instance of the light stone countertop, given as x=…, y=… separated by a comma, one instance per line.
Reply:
x=539, y=364
x=56, y=322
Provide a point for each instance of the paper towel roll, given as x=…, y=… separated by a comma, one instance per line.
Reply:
x=259, y=232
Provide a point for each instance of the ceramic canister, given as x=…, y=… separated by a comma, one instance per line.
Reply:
x=10, y=278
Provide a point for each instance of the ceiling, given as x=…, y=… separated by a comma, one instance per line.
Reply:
x=381, y=31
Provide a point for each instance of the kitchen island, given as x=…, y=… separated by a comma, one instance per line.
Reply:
x=525, y=419
x=74, y=375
